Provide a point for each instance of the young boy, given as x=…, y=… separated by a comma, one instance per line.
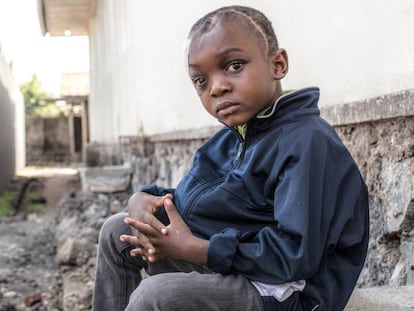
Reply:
x=273, y=215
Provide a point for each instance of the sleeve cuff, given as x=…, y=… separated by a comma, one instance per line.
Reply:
x=155, y=190
x=221, y=250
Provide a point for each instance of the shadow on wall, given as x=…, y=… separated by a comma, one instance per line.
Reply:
x=7, y=141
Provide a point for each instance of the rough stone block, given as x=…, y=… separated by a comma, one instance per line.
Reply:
x=107, y=179
x=73, y=253
x=398, y=298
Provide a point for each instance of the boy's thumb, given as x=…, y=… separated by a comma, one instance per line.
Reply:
x=169, y=206
x=160, y=201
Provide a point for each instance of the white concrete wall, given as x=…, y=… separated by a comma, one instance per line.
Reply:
x=12, y=144
x=351, y=49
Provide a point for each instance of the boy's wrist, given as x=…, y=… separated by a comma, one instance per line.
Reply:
x=197, y=251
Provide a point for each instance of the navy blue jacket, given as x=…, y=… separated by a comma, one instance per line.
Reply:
x=285, y=203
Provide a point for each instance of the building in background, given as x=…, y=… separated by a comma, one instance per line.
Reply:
x=139, y=83
x=75, y=93
x=12, y=135
x=61, y=139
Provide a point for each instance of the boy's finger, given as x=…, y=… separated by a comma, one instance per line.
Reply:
x=136, y=252
x=170, y=209
x=151, y=259
x=159, y=201
x=169, y=205
x=135, y=223
x=153, y=221
x=168, y=196
x=130, y=239
x=141, y=227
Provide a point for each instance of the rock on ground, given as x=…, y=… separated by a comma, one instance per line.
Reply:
x=29, y=277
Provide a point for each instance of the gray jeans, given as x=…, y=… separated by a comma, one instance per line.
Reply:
x=173, y=285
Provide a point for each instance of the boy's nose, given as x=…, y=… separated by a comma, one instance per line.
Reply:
x=219, y=87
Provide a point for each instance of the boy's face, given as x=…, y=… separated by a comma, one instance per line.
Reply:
x=233, y=77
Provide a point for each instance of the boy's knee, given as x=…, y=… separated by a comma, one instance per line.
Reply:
x=153, y=294
x=145, y=296
x=112, y=228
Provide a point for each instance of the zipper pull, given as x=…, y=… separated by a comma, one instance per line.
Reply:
x=239, y=152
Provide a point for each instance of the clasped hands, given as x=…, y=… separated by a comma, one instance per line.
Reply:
x=153, y=240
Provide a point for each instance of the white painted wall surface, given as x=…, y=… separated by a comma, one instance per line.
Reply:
x=350, y=49
x=12, y=132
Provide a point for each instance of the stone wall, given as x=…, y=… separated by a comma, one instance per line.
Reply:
x=379, y=133
x=384, y=150
x=383, y=146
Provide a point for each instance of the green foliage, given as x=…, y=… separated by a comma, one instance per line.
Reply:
x=34, y=95
x=32, y=203
x=6, y=199
x=37, y=208
x=35, y=99
x=49, y=110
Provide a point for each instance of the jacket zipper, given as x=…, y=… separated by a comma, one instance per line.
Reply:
x=242, y=144
x=205, y=187
x=198, y=193
x=240, y=151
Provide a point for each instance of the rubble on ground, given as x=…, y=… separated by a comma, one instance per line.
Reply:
x=50, y=264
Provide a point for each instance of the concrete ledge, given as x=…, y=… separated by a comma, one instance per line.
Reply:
x=395, y=298
x=189, y=134
x=400, y=104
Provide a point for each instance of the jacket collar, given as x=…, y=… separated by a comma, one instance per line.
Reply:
x=289, y=106
x=299, y=99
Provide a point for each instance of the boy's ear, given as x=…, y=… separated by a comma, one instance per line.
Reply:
x=280, y=64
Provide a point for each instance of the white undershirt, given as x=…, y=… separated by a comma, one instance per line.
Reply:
x=280, y=291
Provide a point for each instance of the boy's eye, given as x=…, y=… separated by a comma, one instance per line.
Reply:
x=199, y=81
x=235, y=66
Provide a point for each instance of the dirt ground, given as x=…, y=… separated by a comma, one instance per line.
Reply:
x=29, y=277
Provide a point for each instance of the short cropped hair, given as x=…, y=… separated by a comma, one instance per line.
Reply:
x=258, y=25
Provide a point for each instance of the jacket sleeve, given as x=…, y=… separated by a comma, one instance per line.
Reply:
x=317, y=193
x=156, y=190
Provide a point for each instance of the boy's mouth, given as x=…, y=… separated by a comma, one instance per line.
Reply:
x=226, y=108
